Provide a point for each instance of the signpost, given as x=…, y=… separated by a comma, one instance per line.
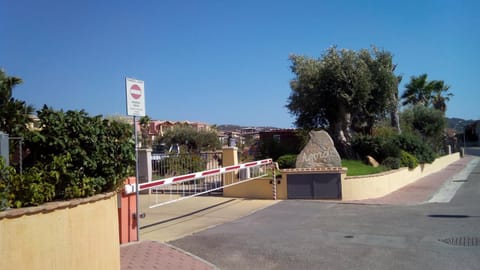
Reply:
x=135, y=93
x=135, y=97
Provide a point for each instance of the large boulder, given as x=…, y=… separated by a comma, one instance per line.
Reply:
x=319, y=152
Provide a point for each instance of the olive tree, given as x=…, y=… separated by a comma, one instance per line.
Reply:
x=343, y=90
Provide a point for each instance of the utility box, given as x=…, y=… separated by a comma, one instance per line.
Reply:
x=4, y=148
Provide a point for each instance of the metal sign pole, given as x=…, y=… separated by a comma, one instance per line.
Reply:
x=135, y=95
x=137, y=189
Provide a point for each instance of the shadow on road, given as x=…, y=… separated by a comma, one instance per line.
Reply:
x=452, y=216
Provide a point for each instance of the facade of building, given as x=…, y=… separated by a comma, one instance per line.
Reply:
x=157, y=128
x=472, y=134
x=275, y=143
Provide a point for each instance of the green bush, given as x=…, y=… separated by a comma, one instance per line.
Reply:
x=415, y=146
x=408, y=160
x=392, y=163
x=5, y=175
x=428, y=123
x=368, y=146
x=378, y=147
x=287, y=161
x=382, y=148
x=390, y=149
x=73, y=155
x=31, y=188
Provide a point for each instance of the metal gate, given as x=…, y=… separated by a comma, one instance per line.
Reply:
x=173, y=189
x=314, y=186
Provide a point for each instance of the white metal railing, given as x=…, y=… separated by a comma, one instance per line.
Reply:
x=173, y=189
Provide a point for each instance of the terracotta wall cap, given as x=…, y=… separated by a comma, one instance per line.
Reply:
x=52, y=206
x=321, y=170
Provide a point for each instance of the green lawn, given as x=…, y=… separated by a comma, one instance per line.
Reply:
x=356, y=167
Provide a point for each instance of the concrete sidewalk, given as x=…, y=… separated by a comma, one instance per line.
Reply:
x=178, y=220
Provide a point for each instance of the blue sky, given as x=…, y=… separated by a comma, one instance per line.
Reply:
x=224, y=62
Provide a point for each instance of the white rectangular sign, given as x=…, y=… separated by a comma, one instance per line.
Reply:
x=135, y=97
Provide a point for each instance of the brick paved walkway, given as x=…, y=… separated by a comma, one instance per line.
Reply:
x=153, y=255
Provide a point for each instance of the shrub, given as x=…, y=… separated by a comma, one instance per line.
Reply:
x=287, y=161
x=408, y=160
x=5, y=175
x=428, y=123
x=392, y=163
x=73, y=155
x=368, y=146
x=415, y=146
x=379, y=148
x=389, y=149
x=31, y=188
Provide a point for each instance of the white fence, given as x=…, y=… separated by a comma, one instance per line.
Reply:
x=172, y=189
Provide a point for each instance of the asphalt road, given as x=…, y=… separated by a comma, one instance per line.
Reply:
x=297, y=234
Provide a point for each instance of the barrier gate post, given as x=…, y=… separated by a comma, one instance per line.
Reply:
x=127, y=216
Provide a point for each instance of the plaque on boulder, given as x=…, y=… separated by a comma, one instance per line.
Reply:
x=319, y=152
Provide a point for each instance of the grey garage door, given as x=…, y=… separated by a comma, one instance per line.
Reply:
x=314, y=186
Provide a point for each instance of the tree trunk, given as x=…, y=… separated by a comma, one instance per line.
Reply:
x=341, y=135
x=395, y=120
x=395, y=114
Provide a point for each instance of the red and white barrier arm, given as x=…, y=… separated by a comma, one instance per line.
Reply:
x=188, y=177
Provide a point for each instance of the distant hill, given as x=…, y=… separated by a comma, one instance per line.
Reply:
x=458, y=123
x=455, y=123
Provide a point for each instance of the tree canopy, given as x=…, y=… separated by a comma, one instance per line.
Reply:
x=420, y=91
x=185, y=135
x=343, y=90
x=14, y=114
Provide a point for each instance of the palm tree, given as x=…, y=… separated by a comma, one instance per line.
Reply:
x=14, y=114
x=417, y=91
x=6, y=85
x=144, y=130
x=427, y=93
x=439, y=101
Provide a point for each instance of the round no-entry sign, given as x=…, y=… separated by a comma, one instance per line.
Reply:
x=135, y=91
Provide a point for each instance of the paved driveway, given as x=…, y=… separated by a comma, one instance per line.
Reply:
x=323, y=235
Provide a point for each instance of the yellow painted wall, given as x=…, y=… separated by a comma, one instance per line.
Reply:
x=230, y=157
x=76, y=237
x=257, y=189
x=378, y=185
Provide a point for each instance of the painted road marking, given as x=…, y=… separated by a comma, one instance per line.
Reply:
x=450, y=188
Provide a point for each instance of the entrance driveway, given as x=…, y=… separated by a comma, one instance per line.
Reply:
x=331, y=235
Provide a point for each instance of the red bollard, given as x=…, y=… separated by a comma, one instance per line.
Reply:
x=127, y=207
